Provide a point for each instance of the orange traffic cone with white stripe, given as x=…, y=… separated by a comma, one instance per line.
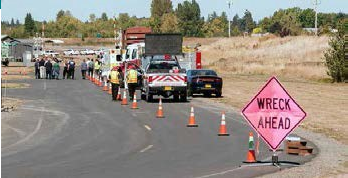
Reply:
x=160, y=109
x=134, y=104
x=223, y=130
x=110, y=89
x=192, y=121
x=105, y=87
x=251, y=152
x=96, y=79
x=118, y=97
x=124, y=99
x=101, y=82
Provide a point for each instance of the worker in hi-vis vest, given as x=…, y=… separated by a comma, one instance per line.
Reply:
x=114, y=78
x=132, y=81
x=97, y=67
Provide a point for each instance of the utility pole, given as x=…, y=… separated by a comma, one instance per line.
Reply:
x=316, y=3
x=115, y=32
x=229, y=3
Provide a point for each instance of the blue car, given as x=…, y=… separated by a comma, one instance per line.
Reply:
x=204, y=81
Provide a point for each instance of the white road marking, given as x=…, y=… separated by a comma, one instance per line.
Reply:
x=148, y=127
x=45, y=87
x=38, y=126
x=145, y=149
x=219, y=173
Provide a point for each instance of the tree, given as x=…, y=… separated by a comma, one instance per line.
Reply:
x=60, y=14
x=92, y=18
x=189, y=18
x=17, y=22
x=158, y=9
x=161, y=7
x=29, y=25
x=12, y=23
x=169, y=23
x=334, y=56
x=104, y=17
x=307, y=18
x=248, y=22
x=216, y=25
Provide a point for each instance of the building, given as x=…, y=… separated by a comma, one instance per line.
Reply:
x=13, y=49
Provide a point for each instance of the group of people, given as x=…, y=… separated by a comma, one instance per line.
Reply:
x=50, y=69
x=46, y=68
x=116, y=78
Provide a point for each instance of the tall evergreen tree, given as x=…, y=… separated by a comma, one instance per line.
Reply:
x=248, y=22
x=104, y=17
x=29, y=25
x=190, y=20
x=12, y=23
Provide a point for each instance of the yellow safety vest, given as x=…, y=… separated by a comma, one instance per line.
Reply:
x=132, y=76
x=114, y=77
x=96, y=66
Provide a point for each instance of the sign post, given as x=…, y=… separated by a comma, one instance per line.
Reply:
x=273, y=114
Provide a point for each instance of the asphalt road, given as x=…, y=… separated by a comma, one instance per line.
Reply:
x=71, y=128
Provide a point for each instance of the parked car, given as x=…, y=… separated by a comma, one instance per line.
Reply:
x=70, y=52
x=99, y=52
x=50, y=53
x=204, y=81
x=87, y=52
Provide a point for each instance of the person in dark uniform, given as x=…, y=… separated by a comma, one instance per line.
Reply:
x=37, y=69
x=65, y=70
x=48, y=66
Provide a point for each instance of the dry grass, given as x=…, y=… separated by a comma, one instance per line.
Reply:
x=291, y=56
x=11, y=103
x=15, y=85
x=246, y=64
x=324, y=103
x=16, y=77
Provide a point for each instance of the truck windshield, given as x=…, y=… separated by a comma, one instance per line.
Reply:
x=163, y=66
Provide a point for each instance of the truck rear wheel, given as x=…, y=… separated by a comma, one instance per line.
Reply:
x=183, y=96
x=149, y=98
x=176, y=96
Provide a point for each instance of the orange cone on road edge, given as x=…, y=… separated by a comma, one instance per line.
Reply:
x=251, y=152
x=223, y=130
x=160, y=109
x=134, y=104
x=105, y=87
x=124, y=99
x=101, y=82
x=118, y=97
x=192, y=122
x=96, y=79
x=110, y=89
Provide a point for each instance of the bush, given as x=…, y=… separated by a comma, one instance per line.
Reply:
x=334, y=56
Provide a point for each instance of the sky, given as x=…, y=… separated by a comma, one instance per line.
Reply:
x=47, y=9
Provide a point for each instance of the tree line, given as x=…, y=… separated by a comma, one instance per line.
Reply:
x=185, y=19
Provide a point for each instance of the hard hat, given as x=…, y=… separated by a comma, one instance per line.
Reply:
x=115, y=68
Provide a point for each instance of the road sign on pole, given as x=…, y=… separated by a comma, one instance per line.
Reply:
x=273, y=113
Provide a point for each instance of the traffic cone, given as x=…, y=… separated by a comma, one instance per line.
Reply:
x=192, y=122
x=223, y=130
x=134, y=104
x=105, y=87
x=110, y=89
x=95, y=79
x=251, y=152
x=160, y=109
x=20, y=72
x=119, y=94
x=124, y=99
x=100, y=82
